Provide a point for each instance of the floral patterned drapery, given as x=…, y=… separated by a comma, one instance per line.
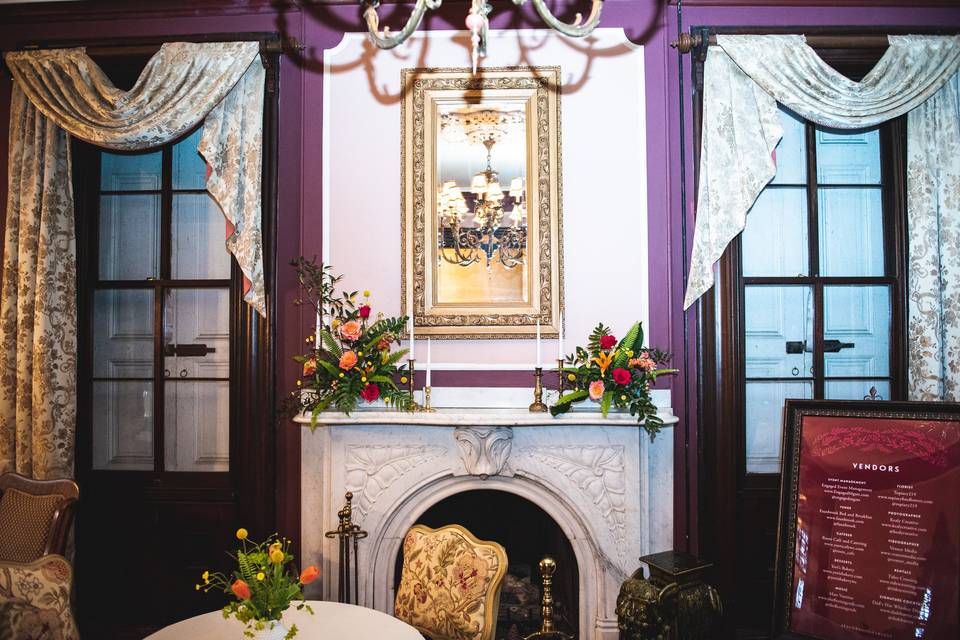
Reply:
x=38, y=311
x=745, y=77
x=933, y=206
x=63, y=92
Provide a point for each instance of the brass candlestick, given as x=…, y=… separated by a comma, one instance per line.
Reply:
x=426, y=401
x=561, y=385
x=538, y=406
x=411, y=388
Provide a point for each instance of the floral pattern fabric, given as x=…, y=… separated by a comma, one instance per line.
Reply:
x=60, y=92
x=933, y=206
x=38, y=310
x=450, y=584
x=744, y=78
x=35, y=600
x=219, y=83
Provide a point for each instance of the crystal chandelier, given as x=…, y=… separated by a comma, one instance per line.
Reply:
x=487, y=238
x=477, y=22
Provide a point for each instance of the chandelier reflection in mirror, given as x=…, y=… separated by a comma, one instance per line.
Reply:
x=477, y=22
x=486, y=224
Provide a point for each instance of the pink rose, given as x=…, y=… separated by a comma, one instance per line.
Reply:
x=364, y=311
x=350, y=330
x=607, y=342
x=621, y=376
x=596, y=389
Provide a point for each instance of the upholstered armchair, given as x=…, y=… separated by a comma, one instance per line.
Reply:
x=450, y=584
x=35, y=516
x=35, y=600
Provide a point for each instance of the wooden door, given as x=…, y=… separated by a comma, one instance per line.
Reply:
x=175, y=404
x=809, y=304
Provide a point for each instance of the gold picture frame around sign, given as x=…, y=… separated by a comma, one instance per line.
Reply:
x=482, y=264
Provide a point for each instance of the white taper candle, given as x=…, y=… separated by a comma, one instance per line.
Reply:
x=410, y=331
x=429, y=358
x=539, y=360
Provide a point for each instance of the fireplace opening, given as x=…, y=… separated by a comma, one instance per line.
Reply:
x=528, y=534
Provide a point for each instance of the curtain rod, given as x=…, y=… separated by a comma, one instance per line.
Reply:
x=686, y=42
x=270, y=43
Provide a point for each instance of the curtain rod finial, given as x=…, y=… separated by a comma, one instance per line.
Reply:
x=685, y=42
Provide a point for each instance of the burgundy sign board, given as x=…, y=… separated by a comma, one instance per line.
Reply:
x=869, y=540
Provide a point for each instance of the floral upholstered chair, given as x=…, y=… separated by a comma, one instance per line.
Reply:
x=35, y=600
x=35, y=516
x=450, y=584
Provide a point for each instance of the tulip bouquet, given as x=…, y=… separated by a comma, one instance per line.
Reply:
x=350, y=357
x=614, y=375
x=262, y=584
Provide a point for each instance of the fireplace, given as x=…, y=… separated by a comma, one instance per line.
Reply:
x=607, y=489
x=528, y=533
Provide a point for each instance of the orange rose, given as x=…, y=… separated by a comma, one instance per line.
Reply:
x=310, y=367
x=241, y=589
x=309, y=574
x=350, y=330
x=348, y=360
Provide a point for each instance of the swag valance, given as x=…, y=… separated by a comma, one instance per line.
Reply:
x=60, y=93
x=744, y=79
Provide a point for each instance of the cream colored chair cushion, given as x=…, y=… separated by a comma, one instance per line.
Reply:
x=35, y=600
x=450, y=585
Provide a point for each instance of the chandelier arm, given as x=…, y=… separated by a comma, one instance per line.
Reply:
x=385, y=39
x=576, y=29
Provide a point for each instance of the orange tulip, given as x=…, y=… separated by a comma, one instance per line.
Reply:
x=241, y=589
x=309, y=574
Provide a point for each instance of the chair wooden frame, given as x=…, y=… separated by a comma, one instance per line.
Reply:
x=56, y=542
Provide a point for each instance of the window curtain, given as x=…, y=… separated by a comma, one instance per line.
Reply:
x=744, y=79
x=61, y=93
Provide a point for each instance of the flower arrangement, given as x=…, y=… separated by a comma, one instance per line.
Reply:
x=350, y=357
x=615, y=375
x=262, y=584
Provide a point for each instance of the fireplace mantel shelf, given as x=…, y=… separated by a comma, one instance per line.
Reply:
x=455, y=417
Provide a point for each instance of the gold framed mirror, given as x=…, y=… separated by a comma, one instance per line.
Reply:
x=481, y=211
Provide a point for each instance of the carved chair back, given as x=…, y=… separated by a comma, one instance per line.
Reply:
x=35, y=516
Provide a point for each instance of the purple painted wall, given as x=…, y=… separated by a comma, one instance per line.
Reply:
x=648, y=22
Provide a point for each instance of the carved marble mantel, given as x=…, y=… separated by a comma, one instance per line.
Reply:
x=608, y=487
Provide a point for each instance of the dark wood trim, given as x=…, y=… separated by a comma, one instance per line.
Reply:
x=893, y=144
x=89, y=10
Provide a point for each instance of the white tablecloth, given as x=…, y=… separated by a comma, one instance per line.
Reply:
x=330, y=621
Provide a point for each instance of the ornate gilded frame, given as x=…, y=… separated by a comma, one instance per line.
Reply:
x=794, y=413
x=419, y=125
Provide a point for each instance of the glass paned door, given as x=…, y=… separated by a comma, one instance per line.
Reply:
x=816, y=282
x=160, y=316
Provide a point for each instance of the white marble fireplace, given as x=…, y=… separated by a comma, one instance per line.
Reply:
x=606, y=485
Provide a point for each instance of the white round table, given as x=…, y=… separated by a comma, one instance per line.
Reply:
x=330, y=621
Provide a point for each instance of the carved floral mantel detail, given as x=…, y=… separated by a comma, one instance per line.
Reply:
x=484, y=450
x=598, y=471
x=371, y=470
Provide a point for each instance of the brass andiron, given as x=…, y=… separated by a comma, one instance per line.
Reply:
x=426, y=401
x=347, y=531
x=538, y=406
x=548, y=567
